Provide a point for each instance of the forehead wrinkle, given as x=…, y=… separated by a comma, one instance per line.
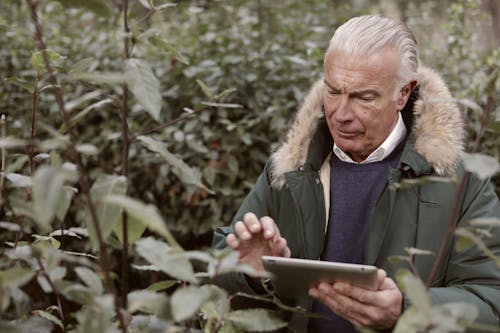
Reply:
x=359, y=73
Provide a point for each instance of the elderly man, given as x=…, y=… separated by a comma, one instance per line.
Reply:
x=375, y=119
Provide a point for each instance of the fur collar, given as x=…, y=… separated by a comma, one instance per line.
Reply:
x=438, y=128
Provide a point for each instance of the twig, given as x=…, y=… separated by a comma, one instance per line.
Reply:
x=225, y=310
x=3, y=124
x=56, y=293
x=413, y=268
x=145, y=17
x=31, y=153
x=75, y=156
x=125, y=156
x=165, y=125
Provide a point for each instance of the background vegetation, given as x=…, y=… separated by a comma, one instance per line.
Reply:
x=207, y=88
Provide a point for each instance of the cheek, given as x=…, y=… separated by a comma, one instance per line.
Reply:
x=329, y=105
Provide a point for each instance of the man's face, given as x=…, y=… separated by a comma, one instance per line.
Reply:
x=359, y=100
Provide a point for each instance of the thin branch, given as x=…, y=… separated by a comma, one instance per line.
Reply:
x=165, y=125
x=145, y=17
x=56, y=293
x=76, y=158
x=3, y=125
x=125, y=157
x=31, y=153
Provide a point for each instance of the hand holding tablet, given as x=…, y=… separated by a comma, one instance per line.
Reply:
x=293, y=277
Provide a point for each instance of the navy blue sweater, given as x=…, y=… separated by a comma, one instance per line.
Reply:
x=354, y=189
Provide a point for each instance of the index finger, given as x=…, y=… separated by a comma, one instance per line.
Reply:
x=252, y=223
x=269, y=228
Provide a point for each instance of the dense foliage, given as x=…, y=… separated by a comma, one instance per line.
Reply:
x=207, y=88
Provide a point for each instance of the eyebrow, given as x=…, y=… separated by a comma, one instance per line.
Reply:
x=354, y=93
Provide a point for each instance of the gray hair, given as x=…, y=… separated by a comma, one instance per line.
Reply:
x=365, y=35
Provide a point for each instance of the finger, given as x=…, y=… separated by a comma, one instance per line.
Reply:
x=252, y=223
x=346, y=307
x=360, y=294
x=381, y=275
x=282, y=248
x=287, y=252
x=241, y=231
x=269, y=228
x=232, y=241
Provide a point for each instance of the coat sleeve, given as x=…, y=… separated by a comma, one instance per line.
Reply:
x=472, y=276
x=259, y=201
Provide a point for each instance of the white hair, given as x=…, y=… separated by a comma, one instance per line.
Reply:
x=366, y=35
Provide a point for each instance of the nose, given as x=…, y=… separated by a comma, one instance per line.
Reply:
x=343, y=113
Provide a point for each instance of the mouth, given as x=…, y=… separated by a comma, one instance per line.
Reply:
x=347, y=134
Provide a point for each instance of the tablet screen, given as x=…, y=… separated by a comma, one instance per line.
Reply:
x=293, y=277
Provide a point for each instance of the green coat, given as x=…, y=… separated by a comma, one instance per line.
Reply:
x=294, y=190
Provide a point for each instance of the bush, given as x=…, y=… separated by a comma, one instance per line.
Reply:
x=210, y=88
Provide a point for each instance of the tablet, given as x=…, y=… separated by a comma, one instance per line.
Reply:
x=293, y=277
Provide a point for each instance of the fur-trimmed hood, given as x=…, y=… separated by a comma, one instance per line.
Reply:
x=438, y=128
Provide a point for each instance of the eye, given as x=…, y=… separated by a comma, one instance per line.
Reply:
x=334, y=92
x=367, y=98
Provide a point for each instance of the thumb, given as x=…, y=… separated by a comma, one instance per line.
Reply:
x=381, y=275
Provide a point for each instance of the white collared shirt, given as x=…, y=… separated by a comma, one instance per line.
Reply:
x=385, y=149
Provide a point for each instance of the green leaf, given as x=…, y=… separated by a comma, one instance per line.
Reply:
x=167, y=47
x=145, y=86
x=185, y=173
x=146, y=214
x=147, y=3
x=254, y=320
x=84, y=112
x=97, y=316
x=415, y=251
x=185, y=302
x=415, y=290
x=165, y=5
x=28, y=86
x=15, y=277
x=49, y=316
x=62, y=209
x=19, y=180
x=82, y=65
x=170, y=260
x=485, y=222
x=56, y=274
x=135, y=229
x=99, y=7
x=453, y=317
x=37, y=59
x=47, y=194
x=464, y=233
x=30, y=325
x=9, y=142
x=18, y=164
x=148, y=301
x=108, y=213
x=483, y=165
x=162, y=285
x=494, y=126
x=463, y=244
x=90, y=278
x=108, y=78
x=470, y=104
x=225, y=93
x=204, y=88
x=412, y=321
x=223, y=105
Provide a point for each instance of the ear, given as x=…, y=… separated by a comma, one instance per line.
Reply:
x=405, y=93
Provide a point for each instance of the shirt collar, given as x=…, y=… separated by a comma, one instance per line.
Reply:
x=385, y=149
